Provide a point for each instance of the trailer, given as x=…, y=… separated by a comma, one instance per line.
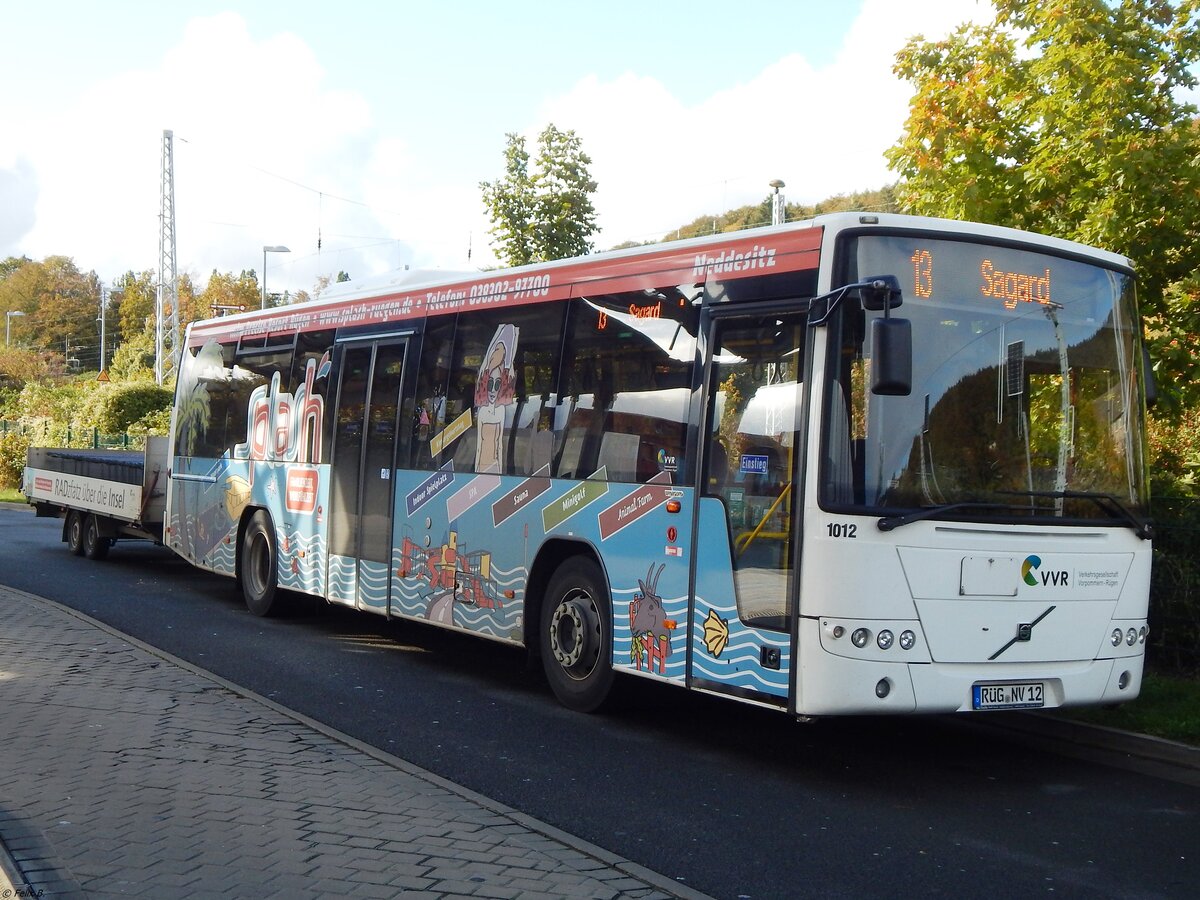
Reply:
x=102, y=496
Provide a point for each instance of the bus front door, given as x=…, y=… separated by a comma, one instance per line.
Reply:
x=362, y=468
x=747, y=539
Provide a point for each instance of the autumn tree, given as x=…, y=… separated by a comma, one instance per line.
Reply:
x=224, y=289
x=1065, y=117
x=545, y=213
x=60, y=303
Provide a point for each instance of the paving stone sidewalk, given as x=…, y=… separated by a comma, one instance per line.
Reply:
x=124, y=772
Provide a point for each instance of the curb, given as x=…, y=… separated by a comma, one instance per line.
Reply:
x=651, y=878
x=8, y=871
x=1149, y=755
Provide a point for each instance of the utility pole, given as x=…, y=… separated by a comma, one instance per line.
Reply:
x=103, y=307
x=166, y=308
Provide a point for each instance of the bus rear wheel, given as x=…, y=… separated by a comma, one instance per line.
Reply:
x=576, y=635
x=94, y=545
x=75, y=532
x=257, y=565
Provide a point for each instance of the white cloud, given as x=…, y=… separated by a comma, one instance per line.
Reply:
x=823, y=131
x=253, y=124
x=259, y=132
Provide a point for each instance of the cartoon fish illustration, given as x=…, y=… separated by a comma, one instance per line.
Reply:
x=237, y=495
x=716, y=633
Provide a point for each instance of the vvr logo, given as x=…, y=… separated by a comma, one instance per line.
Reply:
x=1032, y=577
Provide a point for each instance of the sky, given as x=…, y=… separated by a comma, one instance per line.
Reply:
x=356, y=134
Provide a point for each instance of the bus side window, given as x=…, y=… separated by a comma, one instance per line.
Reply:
x=429, y=411
x=628, y=384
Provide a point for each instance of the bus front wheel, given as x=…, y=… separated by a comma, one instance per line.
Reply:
x=576, y=635
x=257, y=565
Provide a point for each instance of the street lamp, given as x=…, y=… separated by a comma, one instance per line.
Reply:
x=8, y=317
x=266, y=250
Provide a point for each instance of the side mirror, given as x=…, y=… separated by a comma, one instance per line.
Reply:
x=891, y=357
x=1150, y=385
x=880, y=292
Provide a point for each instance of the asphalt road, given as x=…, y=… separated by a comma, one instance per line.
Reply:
x=731, y=800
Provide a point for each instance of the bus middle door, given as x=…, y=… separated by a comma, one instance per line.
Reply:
x=363, y=464
x=747, y=536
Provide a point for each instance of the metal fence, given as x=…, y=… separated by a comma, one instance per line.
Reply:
x=1175, y=586
x=50, y=434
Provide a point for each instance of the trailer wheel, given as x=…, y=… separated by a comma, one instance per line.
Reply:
x=75, y=532
x=94, y=546
x=576, y=635
x=257, y=564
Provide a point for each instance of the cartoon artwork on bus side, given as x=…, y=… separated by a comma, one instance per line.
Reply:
x=494, y=390
x=649, y=625
x=275, y=466
x=449, y=584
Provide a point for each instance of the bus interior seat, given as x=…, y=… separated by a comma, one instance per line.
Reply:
x=540, y=451
x=619, y=455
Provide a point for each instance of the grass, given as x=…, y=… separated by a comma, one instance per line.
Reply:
x=11, y=495
x=1168, y=707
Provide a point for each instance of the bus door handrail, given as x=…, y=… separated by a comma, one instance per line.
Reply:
x=747, y=539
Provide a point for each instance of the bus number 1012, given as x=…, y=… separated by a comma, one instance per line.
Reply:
x=842, y=529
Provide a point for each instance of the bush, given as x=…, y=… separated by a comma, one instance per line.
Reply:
x=13, y=447
x=122, y=405
x=1175, y=576
x=157, y=422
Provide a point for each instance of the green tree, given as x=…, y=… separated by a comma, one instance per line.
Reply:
x=546, y=213
x=1065, y=117
x=137, y=296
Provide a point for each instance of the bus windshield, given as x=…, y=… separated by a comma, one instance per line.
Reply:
x=1026, y=397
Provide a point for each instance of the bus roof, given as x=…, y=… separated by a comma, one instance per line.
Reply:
x=408, y=294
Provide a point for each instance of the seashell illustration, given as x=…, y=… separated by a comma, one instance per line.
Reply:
x=716, y=633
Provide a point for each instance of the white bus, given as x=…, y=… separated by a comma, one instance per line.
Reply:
x=858, y=464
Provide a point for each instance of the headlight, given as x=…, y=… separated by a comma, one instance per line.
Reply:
x=860, y=638
x=884, y=640
x=1131, y=636
x=1142, y=634
x=1116, y=637
x=907, y=640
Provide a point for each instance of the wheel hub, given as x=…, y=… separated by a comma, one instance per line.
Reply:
x=570, y=634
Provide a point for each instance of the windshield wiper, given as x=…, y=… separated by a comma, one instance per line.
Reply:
x=1107, y=502
x=887, y=523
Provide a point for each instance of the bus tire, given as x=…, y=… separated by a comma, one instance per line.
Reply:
x=576, y=635
x=258, y=565
x=74, y=532
x=95, y=546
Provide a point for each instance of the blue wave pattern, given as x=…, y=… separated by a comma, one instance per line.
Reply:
x=301, y=561
x=373, y=585
x=222, y=558
x=343, y=577
x=740, y=662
